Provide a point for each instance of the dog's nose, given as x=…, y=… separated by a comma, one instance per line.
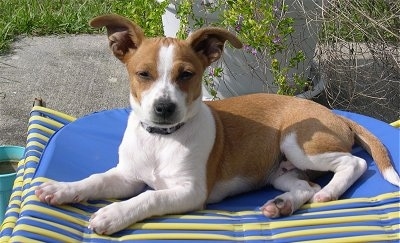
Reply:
x=164, y=108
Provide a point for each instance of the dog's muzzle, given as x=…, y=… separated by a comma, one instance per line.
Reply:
x=165, y=112
x=164, y=108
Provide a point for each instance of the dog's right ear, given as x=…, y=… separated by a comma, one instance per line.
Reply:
x=209, y=42
x=124, y=36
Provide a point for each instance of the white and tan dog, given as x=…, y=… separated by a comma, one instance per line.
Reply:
x=193, y=153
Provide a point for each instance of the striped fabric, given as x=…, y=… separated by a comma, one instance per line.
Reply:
x=374, y=219
x=43, y=123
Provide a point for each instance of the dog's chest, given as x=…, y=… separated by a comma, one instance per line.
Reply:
x=161, y=173
x=166, y=161
x=158, y=161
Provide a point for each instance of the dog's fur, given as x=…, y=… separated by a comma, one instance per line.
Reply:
x=219, y=148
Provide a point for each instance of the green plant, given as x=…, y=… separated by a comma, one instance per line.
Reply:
x=46, y=17
x=266, y=31
x=146, y=13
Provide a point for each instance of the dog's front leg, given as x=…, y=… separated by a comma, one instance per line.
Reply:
x=111, y=184
x=119, y=215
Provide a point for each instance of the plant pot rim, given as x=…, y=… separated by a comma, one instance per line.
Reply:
x=15, y=151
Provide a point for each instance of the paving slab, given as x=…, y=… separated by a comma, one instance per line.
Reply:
x=76, y=75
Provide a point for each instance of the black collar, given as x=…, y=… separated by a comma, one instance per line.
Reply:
x=161, y=130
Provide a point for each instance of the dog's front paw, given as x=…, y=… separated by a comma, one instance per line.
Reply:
x=109, y=219
x=56, y=193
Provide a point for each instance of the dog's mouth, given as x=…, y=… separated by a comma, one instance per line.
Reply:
x=163, y=123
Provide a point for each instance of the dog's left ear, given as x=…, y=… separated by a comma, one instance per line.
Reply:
x=209, y=42
x=124, y=36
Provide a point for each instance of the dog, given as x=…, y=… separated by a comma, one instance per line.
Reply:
x=193, y=152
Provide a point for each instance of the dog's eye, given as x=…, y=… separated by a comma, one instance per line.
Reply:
x=185, y=75
x=143, y=75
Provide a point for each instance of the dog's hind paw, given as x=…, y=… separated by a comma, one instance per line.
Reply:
x=322, y=196
x=277, y=207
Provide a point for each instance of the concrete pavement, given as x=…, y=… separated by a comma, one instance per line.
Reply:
x=76, y=75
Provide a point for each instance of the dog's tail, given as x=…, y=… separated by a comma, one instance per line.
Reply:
x=376, y=149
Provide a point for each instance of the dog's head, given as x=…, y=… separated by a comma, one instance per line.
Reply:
x=165, y=73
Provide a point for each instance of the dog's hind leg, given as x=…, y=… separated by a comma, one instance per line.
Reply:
x=346, y=167
x=298, y=190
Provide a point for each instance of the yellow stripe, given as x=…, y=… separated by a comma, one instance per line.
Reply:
x=54, y=213
x=54, y=112
x=31, y=197
x=15, y=193
x=59, y=226
x=15, y=202
x=231, y=213
x=181, y=236
x=332, y=230
x=23, y=239
x=353, y=200
x=20, y=163
x=40, y=179
x=351, y=210
x=202, y=226
x=5, y=239
x=27, y=181
x=66, y=207
x=361, y=238
x=41, y=128
x=189, y=216
x=36, y=143
x=46, y=120
x=180, y=226
x=45, y=138
x=9, y=222
x=29, y=170
x=333, y=220
x=31, y=158
x=38, y=136
x=395, y=123
x=44, y=232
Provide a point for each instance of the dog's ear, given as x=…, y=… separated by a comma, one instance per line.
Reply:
x=124, y=36
x=209, y=42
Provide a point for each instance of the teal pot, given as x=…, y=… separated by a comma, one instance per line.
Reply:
x=9, y=158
